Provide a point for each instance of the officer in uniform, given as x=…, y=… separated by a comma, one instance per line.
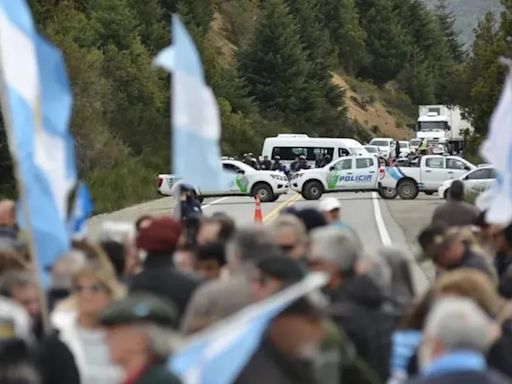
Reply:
x=141, y=330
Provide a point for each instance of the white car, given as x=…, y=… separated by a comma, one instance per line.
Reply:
x=372, y=150
x=242, y=180
x=478, y=180
x=348, y=174
x=386, y=146
x=405, y=148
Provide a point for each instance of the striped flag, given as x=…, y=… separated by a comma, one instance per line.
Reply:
x=36, y=106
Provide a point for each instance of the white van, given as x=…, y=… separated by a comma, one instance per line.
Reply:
x=315, y=149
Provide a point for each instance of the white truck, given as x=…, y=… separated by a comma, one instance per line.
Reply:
x=348, y=174
x=426, y=176
x=442, y=124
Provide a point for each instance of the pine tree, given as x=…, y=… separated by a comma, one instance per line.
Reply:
x=275, y=66
x=446, y=21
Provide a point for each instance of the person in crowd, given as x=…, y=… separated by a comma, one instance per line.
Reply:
x=141, y=334
x=294, y=164
x=302, y=164
x=266, y=164
x=356, y=301
x=397, y=149
x=278, y=166
x=477, y=286
x=217, y=228
x=331, y=209
x=502, y=244
x=189, y=208
x=159, y=239
x=326, y=161
x=184, y=259
x=11, y=259
x=449, y=250
x=116, y=253
x=291, y=236
x=456, y=338
x=9, y=227
x=77, y=325
x=210, y=260
x=311, y=217
x=22, y=288
x=287, y=351
x=456, y=212
x=218, y=299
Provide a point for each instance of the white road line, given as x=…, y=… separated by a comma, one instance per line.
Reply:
x=215, y=202
x=383, y=232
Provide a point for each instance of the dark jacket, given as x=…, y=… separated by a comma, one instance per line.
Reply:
x=159, y=374
x=269, y=366
x=357, y=309
x=500, y=354
x=489, y=377
x=455, y=214
x=160, y=277
x=56, y=363
x=474, y=260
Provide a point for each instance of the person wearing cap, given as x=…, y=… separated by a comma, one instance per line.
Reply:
x=141, y=331
x=357, y=303
x=266, y=164
x=456, y=212
x=331, y=209
x=451, y=248
x=159, y=239
x=302, y=164
x=278, y=166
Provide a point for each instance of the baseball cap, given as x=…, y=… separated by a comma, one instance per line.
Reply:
x=160, y=235
x=329, y=204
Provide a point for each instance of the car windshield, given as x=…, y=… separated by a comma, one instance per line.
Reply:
x=415, y=142
x=404, y=145
x=372, y=149
x=358, y=151
x=432, y=126
x=380, y=143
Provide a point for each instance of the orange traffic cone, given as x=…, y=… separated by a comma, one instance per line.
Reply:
x=258, y=215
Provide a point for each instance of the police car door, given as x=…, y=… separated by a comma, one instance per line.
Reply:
x=340, y=174
x=232, y=172
x=365, y=173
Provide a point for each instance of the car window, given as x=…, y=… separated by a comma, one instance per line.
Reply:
x=481, y=174
x=343, y=165
x=380, y=143
x=364, y=163
x=311, y=153
x=455, y=164
x=230, y=168
x=435, y=162
x=343, y=152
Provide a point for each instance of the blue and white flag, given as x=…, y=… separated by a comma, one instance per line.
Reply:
x=195, y=115
x=36, y=105
x=218, y=354
x=497, y=150
x=82, y=210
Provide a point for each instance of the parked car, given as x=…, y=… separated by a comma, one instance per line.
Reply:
x=477, y=180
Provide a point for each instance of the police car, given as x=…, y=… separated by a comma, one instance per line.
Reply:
x=347, y=174
x=242, y=180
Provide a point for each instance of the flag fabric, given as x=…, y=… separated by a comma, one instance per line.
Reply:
x=218, y=354
x=82, y=210
x=36, y=105
x=195, y=114
x=497, y=150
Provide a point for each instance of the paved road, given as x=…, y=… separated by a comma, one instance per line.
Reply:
x=378, y=222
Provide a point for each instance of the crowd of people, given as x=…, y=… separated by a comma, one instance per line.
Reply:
x=118, y=307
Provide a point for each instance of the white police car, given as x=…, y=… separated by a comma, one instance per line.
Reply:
x=243, y=180
x=347, y=174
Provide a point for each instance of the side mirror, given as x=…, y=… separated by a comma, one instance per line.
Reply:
x=241, y=172
x=332, y=168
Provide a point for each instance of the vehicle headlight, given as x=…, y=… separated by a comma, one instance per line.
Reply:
x=278, y=177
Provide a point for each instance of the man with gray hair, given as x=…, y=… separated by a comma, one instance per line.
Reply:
x=357, y=302
x=456, y=338
x=291, y=236
x=218, y=299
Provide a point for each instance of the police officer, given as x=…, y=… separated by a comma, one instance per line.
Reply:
x=266, y=164
x=327, y=160
x=141, y=330
x=303, y=164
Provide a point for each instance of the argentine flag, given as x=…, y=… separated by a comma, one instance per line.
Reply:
x=36, y=106
x=218, y=354
x=497, y=149
x=195, y=114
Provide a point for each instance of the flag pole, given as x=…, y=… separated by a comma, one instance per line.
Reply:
x=8, y=124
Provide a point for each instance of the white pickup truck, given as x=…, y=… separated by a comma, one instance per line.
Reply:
x=426, y=176
x=347, y=174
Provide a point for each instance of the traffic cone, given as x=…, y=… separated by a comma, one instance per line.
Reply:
x=258, y=215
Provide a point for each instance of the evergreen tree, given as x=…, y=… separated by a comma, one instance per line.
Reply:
x=446, y=21
x=275, y=67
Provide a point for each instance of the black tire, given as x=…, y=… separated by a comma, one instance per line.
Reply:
x=407, y=190
x=313, y=190
x=429, y=193
x=274, y=198
x=387, y=193
x=265, y=192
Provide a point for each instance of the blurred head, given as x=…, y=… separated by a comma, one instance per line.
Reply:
x=140, y=331
x=210, y=260
x=310, y=217
x=218, y=228
x=472, y=284
x=455, y=324
x=402, y=287
x=21, y=287
x=8, y=213
x=160, y=236
x=184, y=259
x=142, y=222
x=116, y=253
x=334, y=253
x=456, y=191
x=291, y=236
x=94, y=289
x=273, y=274
x=331, y=209
x=444, y=246
x=249, y=246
